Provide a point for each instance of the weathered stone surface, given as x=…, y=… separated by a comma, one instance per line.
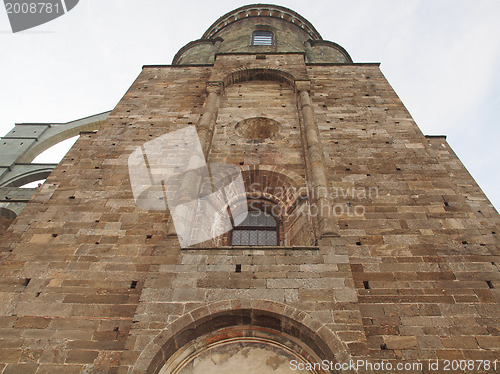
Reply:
x=91, y=282
x=400, y=342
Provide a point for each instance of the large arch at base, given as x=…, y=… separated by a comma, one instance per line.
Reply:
x=268, y=316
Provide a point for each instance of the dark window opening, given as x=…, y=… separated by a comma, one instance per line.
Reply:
x=257, y=229
x=262, y=38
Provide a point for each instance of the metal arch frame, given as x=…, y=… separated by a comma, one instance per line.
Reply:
x=17, y=164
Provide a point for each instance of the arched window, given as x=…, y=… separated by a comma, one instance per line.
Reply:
x=257, y=229
x=262, y=37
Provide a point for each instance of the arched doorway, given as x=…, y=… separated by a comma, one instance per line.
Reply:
x=260, y=335
x=244, y=349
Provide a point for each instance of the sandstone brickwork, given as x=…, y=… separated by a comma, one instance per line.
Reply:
x=404, y=268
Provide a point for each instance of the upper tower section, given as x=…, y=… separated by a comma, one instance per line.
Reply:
x=260, y=29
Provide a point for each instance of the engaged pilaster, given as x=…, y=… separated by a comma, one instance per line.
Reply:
x=191, y=182
x=317, y=168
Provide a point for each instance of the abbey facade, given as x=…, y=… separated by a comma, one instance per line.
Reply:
x=342, y=232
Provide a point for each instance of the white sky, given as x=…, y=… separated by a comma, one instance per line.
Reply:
x=441, y=56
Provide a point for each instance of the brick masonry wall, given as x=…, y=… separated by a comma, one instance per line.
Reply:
x=4, y=223
x=424, y=254
x=82, y=242
x=90, y=281
x=259, y=99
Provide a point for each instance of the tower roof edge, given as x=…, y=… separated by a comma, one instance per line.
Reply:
x=262, y=10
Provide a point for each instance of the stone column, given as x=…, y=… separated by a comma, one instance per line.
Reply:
x=316, y=165
x=191, y=181
x=206, y=125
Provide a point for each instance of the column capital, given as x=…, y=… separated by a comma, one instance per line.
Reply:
x=215, y=86
x=303, y=85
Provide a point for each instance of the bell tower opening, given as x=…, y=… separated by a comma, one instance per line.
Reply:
x=262, y=37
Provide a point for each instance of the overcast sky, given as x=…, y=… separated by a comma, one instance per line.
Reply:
x=441, y=56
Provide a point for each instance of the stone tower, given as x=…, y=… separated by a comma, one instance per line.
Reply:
x=352, y=235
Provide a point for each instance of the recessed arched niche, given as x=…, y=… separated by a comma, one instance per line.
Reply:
x=250, y=340
x=258, y=128
x=274, y=192
x=244, y=349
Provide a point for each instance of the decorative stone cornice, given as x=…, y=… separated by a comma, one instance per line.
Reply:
x=192, y=44
x=333, y=45
x=262, y=10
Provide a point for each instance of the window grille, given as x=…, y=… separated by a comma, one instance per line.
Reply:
x=258, y=229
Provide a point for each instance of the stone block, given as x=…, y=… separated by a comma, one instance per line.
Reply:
x=400, y=342
x=32, y=323
x=81, y=356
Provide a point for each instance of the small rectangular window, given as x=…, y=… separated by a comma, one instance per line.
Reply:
x=257, y=229
x=262, y=38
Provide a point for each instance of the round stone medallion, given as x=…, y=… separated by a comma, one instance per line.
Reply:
x=258, y=128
